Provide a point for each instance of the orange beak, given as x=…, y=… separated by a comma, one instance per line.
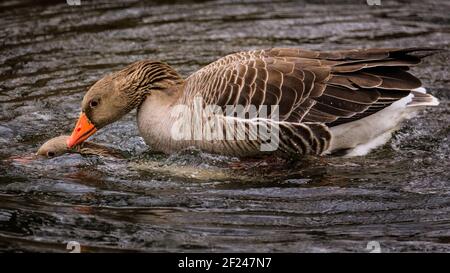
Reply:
x=83, y=129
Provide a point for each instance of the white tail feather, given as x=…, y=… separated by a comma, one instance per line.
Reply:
x=361, y=136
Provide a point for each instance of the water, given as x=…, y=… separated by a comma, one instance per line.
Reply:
x=50, y=55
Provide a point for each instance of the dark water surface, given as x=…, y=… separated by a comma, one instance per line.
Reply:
x=50, y=54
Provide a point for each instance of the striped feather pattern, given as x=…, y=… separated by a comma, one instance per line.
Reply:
x=314, y=90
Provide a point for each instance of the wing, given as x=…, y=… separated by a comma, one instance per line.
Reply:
x=312, y=90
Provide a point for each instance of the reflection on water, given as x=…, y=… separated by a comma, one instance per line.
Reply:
x=191, y=201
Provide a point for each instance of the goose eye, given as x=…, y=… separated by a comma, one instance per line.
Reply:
x=93, y=103
x=50, y=154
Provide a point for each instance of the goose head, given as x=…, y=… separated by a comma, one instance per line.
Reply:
x=54, y=147
x=116, y=94
x=57, y=146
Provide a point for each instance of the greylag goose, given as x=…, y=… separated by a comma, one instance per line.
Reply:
x=314, y=102
x=58, y=146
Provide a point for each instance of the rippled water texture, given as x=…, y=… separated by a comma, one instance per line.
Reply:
x=50, y=54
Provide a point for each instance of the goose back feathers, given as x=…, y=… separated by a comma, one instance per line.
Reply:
x=314, y=91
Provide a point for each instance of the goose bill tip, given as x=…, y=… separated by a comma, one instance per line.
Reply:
x=82, y=131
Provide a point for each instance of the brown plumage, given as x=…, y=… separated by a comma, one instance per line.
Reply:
x=314, y=92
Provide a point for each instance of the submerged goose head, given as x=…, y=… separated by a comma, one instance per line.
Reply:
x=57, y=146
x=116, y=94
x=54, y=147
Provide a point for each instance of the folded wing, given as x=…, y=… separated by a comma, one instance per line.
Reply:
x=312, y=90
